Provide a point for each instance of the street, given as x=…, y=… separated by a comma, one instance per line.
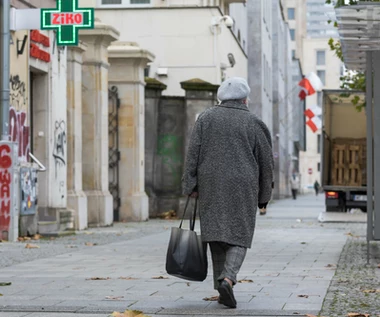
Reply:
x=287, y=272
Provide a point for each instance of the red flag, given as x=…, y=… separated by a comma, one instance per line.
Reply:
x=302, y=95
x=306, y=86
x=315, y=124
x=309, y=113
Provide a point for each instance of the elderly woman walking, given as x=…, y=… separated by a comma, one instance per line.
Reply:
x=229, y=166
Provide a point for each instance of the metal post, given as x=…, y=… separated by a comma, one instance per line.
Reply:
x=369, y=109
x=376, y=144
x=4, y=62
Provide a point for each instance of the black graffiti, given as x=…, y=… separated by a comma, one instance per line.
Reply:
x=17, y=92
x=59, y=145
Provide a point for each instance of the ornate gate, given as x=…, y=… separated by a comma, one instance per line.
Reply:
x=114, y=153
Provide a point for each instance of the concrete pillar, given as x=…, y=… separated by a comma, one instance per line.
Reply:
x=127, y=62
x=153, y=95
x=95, y=123
x=76, y=198
x=199, y=96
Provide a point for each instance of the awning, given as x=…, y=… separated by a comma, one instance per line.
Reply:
x=359, y=31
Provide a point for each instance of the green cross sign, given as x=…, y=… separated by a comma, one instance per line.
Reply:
x=67, y=19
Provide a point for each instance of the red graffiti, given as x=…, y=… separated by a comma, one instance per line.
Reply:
x=19, y=132
x=5, y=190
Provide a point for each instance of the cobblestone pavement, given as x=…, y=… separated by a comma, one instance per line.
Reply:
x=292, y=263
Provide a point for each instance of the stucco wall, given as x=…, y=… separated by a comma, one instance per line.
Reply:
x=182, y=41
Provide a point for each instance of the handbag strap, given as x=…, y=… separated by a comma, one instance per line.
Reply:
x=194, y=214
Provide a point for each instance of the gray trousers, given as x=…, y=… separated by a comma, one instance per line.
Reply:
x=227, y=260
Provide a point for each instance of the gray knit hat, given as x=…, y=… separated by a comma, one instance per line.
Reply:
x=235, y=88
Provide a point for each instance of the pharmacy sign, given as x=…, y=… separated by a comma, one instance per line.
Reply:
x=67, y=19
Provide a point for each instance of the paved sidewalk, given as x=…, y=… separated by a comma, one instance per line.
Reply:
x=292, y=255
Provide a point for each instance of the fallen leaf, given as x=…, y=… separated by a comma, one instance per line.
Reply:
x=36, y=237
x=304, y=296
x=211, y=299
x=114, y=297
x=72, y=238
x=188, y=284
x=171, y=214
x=245, y=281
x=27, y=238
x=129, y=313
x=118, y=234
x=89, y=244
x=127, y=278
x=357, y=315
x=98, y=278
x=20, y=239
x=31, y=246
x=5, y=283
x=351, y=235
x=310, y=315
x=1, y=294
x=71, y=246
x=371, y=291
x=160, y=277
x=330, y=265
x=52, y=238
x=88, y=232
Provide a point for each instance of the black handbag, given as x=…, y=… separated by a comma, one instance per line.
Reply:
x=186, y=257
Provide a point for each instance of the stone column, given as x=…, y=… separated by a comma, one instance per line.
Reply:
x=127, y=73
x=95, y=123
x=199, y=96
x=153, y=95
x=76, y=198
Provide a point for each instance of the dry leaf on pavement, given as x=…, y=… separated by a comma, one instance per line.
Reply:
x=357, y=315
x=114, y=297
x=71, y=246
x=127, y=278
x=1, y=294
x=98, y=278
x=31, y=246
x=245, y=281
x=5, y=283
x=304, y=296
x=90, y=244
x=310, y=315
x=20, y=239
x=211, y=299
x=36, y=237
x=129, y=313
x=371, y=291
x=160, y=277
x=27, y=239
x=171, y=214
x=188, y=284
x=331, y=266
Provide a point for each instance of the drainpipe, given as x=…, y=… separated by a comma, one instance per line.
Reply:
x=4, y=62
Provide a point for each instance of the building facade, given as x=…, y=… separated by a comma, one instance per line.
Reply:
x=318, y=58
x=189, y=38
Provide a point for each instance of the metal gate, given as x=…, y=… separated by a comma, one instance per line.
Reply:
x=114, y=153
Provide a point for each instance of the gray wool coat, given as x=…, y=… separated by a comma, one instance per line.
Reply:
x=230, y=164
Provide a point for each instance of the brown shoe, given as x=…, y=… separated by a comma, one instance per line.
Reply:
x=263, y=212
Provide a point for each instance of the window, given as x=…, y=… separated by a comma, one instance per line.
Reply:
x=125, y=2
x=292, y=34
x=291, y=14
x=319, y=167
x=322, y=75
x=319, y=143
x=321, y=57
x=293, y=53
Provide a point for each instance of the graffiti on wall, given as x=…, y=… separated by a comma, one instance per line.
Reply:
x=19, y=132
x=59, y=145
x=169, y=147
x=5, y=190
x=28, y=177
x=18, y=94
